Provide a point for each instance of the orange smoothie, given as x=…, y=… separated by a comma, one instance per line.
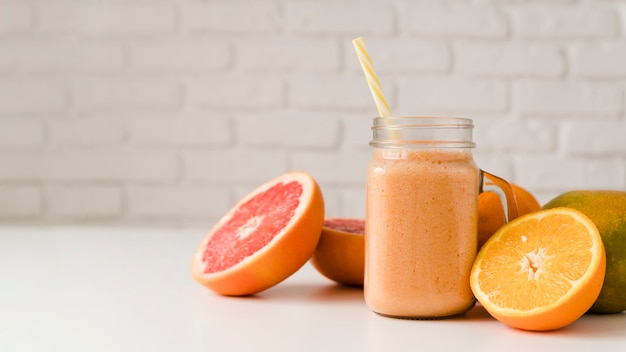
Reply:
x=421, y=231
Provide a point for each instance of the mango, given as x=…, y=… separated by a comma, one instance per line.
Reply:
x=607, y=209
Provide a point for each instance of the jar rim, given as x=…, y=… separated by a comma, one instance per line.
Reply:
x=422, y=121
x=422, y=132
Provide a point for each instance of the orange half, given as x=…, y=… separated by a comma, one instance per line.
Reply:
x=340, y=253
x=542, y=271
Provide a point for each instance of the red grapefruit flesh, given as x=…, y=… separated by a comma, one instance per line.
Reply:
x=355, y=226
x=263, y=239
x=340, y=252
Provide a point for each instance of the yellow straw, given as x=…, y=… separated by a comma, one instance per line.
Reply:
x=370, y=75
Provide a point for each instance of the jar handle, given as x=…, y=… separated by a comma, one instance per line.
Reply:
x=491, y=183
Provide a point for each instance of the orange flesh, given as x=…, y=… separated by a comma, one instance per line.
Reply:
x=252, y=226
x=421, y=227
x=541, y=271
x=538, y=274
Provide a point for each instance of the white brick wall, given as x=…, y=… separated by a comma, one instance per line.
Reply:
x=601, y=60
x=68, y=202
x=569, y=99
x=234, y=91
x=509, y=59
x=179, y=55
x=232, y=17
x=61, y=55
x=456, y=95
x=334, y=18
x=15, y=18
x=26, y=95
x=166, y=112
x=564, y=21
x=118, y=19
x=452, y=19
x=124, y=93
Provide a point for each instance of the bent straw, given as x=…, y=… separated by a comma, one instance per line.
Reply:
x=370, y=75
x=373, y=82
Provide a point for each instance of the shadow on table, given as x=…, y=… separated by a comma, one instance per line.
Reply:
x=312, y=293
x=592, y=325
x=588, y=326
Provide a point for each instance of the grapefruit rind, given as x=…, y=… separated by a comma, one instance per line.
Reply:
x=564, y=310
x=285, y=254
x=340, y=255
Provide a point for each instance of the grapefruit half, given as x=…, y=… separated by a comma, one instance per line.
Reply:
x=340, y=253
x=263, y=239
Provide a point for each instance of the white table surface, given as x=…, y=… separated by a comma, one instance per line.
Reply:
x=99, y=289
